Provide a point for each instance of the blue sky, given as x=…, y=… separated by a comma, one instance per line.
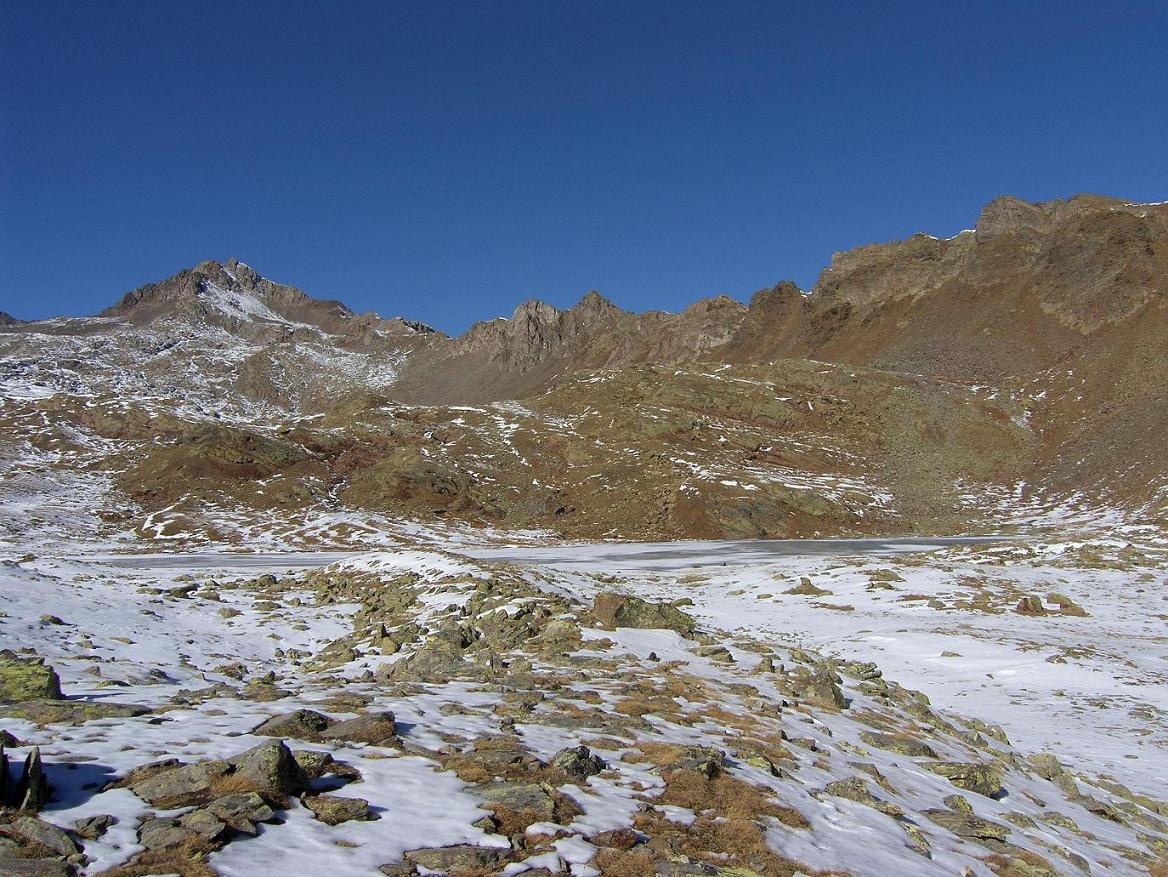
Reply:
x=447, y=160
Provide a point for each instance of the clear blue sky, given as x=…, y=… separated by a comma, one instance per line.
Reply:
x=447, y=160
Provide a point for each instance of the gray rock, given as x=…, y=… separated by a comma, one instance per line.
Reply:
x=47, y=835
x=203, y=823
x=93, y=827
x=378, y=729
x=334, y=809
x=300, y=725
x=578, y=762
x=270, y=767
x=163, y=833
x=622, y=610
x=532, y=797
x=452, y=858
x=967, y=825
x=984, y=779
x=33, y=792
x=184, y=786
x=241, y=811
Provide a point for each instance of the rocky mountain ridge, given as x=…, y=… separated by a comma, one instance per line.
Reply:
x=915, y=388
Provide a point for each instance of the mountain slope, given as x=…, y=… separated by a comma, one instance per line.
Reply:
x=922, y=386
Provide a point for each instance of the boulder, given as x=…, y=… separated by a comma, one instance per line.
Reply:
x=578, y=762
x=967, y=825
x=460, y=857
x=185, y=786
x=334, y=809
x=378, y=729
x=299, y=725
x=984, y=779
x=93, y=827
x=45, y=834
x=612, y=610
x=24, y=679
x=33, y=792
x=270, y=767
x=241, y=811
x=899, y=743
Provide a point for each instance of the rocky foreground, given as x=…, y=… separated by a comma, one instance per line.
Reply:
x=418, y=713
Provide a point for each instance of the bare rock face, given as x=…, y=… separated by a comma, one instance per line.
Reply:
x=1007, y=215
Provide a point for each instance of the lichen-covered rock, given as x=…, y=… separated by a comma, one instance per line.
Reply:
x=578, y=762
x=378, y=729
x=299, y=725
x=45, y=834
x=900, y=743
x=459, y=857
x=614, y=610
x=984, y=779
x=241, y=811
x=819, y=688
x=24, y=679
x=334, y=809
x=182, y=786
x=271, y=767
x=967, y=825
x=705, y=760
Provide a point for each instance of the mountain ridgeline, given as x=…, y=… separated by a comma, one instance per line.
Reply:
x=919, y=386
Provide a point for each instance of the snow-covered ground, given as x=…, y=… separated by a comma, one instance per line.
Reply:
x=127, y=639
x=1093, y=688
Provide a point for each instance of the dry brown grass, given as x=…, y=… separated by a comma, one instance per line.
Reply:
x=1158, y=869
x=185, y=860
x=1020, y=863
x=721, y=843
x=728, y=796
x=625, y=863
